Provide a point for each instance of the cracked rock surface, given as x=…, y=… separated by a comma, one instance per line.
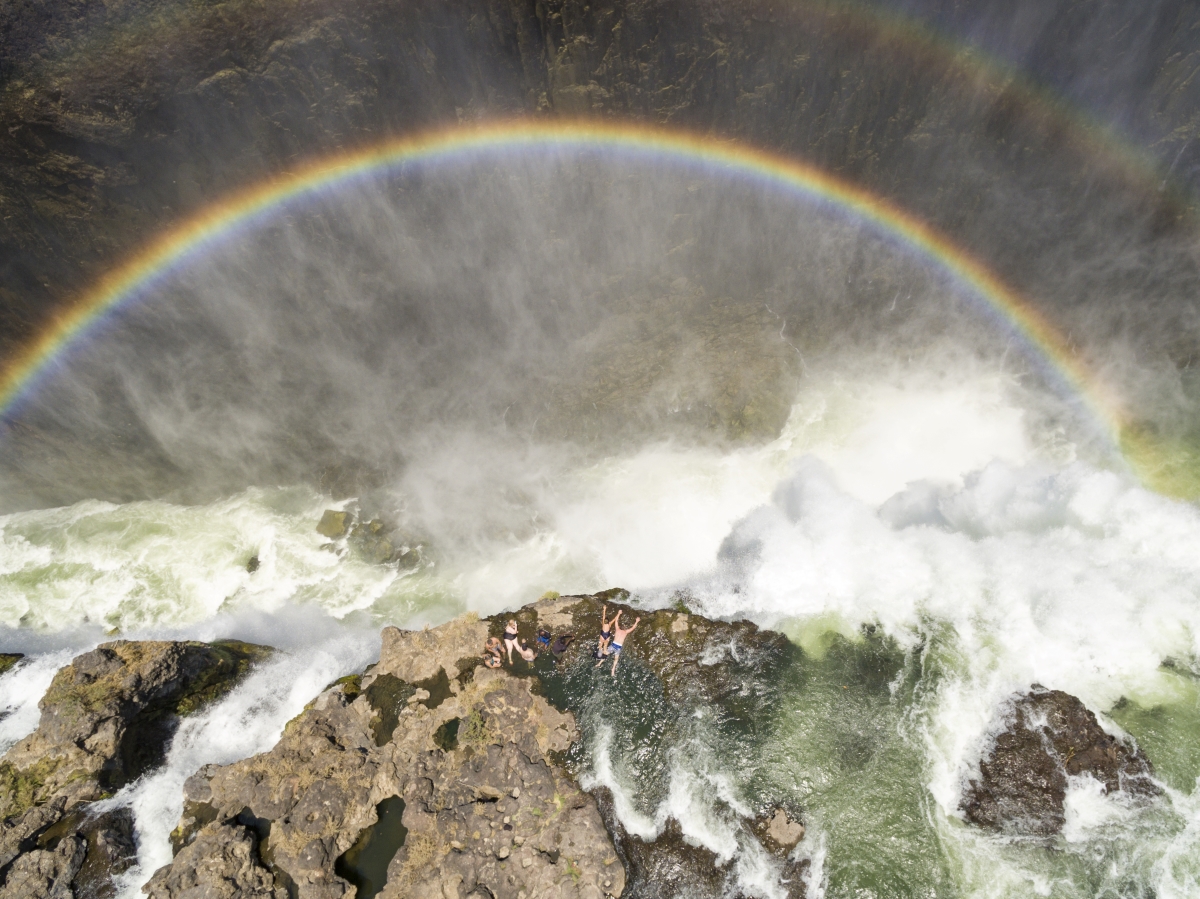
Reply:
x=469, y=751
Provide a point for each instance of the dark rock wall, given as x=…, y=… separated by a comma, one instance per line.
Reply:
x=118, y=119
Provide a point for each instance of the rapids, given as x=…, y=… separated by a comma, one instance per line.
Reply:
x=928, y=548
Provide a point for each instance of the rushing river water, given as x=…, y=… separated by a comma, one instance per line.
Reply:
x=927, y=554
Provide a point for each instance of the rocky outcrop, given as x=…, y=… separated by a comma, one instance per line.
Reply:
x=431, y=775
x=1048, y=736
x=106, y=719
x=727, y=671
x=694, y=659
x=373, y=540
x=449, y=766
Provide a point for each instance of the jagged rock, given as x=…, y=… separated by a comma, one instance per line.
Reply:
x=222, y=862
x=779, y=832
x=470, y=753
x=106, y=719
x=45, y=873
x=669, y=867
x=1048, y=735
x=334, y=524
x=111, y=850
x=371, y=542
x=8, y=659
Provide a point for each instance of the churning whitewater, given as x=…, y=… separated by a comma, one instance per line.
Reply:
x=960, y=569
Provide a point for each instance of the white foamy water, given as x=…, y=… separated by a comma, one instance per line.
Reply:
x=20, y=690
x=248, y=721
x=923, y=507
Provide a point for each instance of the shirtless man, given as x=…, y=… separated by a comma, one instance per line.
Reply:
x=618, y=639
x=492, y=653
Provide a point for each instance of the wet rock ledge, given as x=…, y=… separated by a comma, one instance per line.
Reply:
x=432, y=775
x=107, y=718
x=430, y=771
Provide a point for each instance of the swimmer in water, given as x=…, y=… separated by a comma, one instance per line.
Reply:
x=606, y=626
x=618, y=639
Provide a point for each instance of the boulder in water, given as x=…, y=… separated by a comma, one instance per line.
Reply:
x=1048, y=736
x=334, y=524
x=779, y=832
x=8, y=660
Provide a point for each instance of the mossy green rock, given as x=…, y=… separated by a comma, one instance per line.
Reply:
x=333, y=524
x=8, y=660
x=121, y=701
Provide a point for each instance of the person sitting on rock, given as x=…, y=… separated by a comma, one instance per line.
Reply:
x=560, y=644
x=510, y=638
x=543, y=639
x=618, y=639
x=492, y=653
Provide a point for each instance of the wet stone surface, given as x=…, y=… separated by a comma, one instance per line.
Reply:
x=1048, y=735
x=683, y=679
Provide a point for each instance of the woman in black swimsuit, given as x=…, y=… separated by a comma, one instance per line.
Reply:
x=605, y=634
x=510, y=639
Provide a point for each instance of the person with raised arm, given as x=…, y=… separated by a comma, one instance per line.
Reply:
x=618, y=639
x=605, y=635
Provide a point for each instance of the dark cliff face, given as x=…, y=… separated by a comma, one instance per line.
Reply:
x=120, y=118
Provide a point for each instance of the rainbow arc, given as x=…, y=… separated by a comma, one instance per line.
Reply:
x=135, y=280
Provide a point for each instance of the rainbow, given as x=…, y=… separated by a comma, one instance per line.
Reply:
x=207, y=229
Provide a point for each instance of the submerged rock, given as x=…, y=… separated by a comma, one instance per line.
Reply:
x=8, y=660
x=106, y=719
x=1048, y=736
x=455, y=763
x=373, y=541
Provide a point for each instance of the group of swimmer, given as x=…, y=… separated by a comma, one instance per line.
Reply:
x=612, y=638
